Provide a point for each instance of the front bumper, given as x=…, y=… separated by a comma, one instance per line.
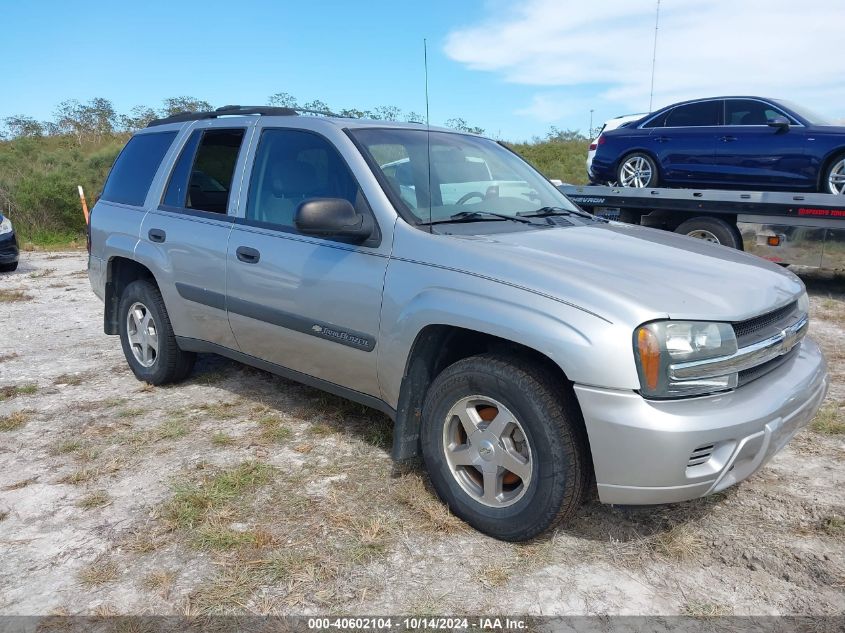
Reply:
x=648, y=451
x=8, y=248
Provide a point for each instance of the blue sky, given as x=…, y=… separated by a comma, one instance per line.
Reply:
x=513, y=68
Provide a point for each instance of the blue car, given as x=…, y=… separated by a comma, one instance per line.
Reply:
x=725, y=142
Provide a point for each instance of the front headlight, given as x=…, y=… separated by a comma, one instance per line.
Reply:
x=804, y=304
x=5, y=226
x=659, y=345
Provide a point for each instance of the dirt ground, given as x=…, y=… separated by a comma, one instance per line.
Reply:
x=241, y=492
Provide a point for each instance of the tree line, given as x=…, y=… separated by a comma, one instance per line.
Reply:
x=97, y=118
x=42, y=162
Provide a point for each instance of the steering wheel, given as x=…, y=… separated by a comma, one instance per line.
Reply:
x=470, y=196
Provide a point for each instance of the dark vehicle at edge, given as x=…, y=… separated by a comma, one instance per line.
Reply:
x=725, y=142
x=8, y=246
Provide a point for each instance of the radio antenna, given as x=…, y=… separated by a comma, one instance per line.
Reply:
x=654, y=55
x=428, y=130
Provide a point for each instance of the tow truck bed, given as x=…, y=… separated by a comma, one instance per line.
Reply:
x=785, y=227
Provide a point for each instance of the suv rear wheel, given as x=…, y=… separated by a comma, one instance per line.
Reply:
x=147, y=337
x=504, y=449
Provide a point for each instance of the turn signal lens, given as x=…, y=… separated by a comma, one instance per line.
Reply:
x=649, y=349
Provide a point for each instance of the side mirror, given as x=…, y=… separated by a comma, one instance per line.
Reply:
x=780, y=122
x=332, y=217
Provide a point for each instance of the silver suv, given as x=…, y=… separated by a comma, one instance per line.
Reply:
x=528, y=351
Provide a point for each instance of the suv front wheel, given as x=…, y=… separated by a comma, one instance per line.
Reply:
x=503, y=446
x=147, y=337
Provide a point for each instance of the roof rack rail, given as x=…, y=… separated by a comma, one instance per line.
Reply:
x=228, y=110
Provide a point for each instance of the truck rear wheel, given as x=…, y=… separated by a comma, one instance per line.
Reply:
x=147, y=337
x=714, y=230
x=504, y=449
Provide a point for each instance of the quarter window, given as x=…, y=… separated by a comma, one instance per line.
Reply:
x=292, y=166
x=749, y=112
x=136, y=166
x=701, y=114
x=658, y=121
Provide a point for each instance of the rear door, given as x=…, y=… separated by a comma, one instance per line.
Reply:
x=750, y=153
x=306, y=303
x=189, y=229
x=685, y=145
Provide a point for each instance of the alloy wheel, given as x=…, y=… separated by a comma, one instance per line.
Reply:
x=487, y=451
x=142, y=332
x=836, y=178
x=636, y=172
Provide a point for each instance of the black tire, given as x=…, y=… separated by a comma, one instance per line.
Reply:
x=720, y=231
x=552, y=424
x=824, y=186
x=8, y=268
x=654, y=181
x=170, y=364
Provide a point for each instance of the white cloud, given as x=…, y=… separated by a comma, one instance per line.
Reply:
x=777, y=48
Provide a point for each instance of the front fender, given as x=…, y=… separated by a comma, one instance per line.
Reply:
x=586, y=347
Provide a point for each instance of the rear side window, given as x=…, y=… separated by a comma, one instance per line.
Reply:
x=704, y=113
x=133, y=171
x=202, y=176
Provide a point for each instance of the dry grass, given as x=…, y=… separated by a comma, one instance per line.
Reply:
x=411, y=491
x=96, y=499
x=321, y=429
x=100, y=572
x=12, y=296
x=494, y=575
x=23, y=483
x=833, y=525
x=66, y=447
x=14, y=421
x=9, y=356
x=222, y=439
x=221, y=410
x=681, y=542
x=171, y=429
x=12, y=391
x=272, y=430
x=44, y=272
x=160, y=581
x=72, y=379
x=194, y=503
x=3, y=515
x=830, y=420
x=697, y=609
x=131, y=412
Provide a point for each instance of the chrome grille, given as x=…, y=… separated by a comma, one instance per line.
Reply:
x=761, y=327
x=754, y=373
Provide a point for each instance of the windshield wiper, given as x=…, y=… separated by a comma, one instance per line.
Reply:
x=477, y=216
x=545, y=212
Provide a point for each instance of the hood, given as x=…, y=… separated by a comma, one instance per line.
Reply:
x=627, y=273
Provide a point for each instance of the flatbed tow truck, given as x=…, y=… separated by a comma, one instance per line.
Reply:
x=783, y=227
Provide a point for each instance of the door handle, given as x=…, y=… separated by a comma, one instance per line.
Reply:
x=248, y=255
x=157, y=235
x=662, y=139
x=727, y=139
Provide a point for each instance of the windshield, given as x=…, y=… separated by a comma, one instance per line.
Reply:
x=805, y=113
x=468, y=174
